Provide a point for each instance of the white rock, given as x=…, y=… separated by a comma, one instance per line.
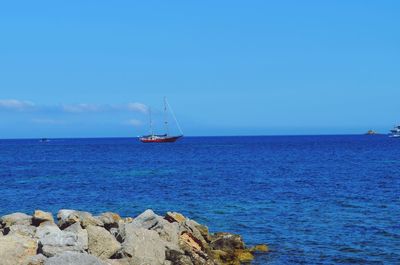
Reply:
x=74, y=258
x=16, y=249
x=54, y=241
x=144, y=246
x=101, y=243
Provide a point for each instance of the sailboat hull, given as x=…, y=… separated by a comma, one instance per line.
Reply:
x=166, y=139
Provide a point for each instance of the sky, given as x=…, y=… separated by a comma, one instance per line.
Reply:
x=94, y=68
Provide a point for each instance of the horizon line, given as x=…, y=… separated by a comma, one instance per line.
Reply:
x=194, y=136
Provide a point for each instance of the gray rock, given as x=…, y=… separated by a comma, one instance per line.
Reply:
x=15, y=219
x=69, y=217
x=123, y=261
x=74, y=258
x=16, y=249
x=24, y=230
x=82, y=234
x=37, y=260
x=53, y=240
x=145, y=246
x=101, y=243
x=167, y=231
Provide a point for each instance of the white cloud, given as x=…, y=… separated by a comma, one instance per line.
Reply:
x=83, y=107
x=134, y=122
x=16, y=105
x=21, y=105
x=139, y=107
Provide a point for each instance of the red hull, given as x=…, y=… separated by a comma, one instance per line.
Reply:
x=159, y=140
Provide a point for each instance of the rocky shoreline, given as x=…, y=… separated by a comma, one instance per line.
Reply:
x=78, y=237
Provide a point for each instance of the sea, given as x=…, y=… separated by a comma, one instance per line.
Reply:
x=311, y=199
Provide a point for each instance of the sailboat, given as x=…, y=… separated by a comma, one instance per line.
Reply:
x=166, y=137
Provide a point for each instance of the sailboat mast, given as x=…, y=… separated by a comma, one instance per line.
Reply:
x=166, y=116
x=151, y=123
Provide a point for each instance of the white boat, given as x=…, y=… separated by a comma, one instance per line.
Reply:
x=395, y=132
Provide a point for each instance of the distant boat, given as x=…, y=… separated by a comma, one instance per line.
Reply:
x=395, y=132
x=166, y=137
x=44, y=140
x=371, y=132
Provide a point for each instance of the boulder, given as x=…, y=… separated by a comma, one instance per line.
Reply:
x=109, y=219
x=149, y=220
x=101, y=243
x=69, y=217
x=15, y=219
x=243, y=255
x=227, y=242
x=74, y=258
x=66, y=218
x=174, y=217
x=24, y=230
x=41, y=216
x=82, y=235
x=178, y=257
x=53, y=241
x=194, y=249
x=230, y=249
x=144, y=245
x=259, y=248
x=37, y=260
x=198, y=231
x=123, y=261
x=16, y=249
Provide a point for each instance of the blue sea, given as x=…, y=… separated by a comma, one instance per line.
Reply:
x=312, y=199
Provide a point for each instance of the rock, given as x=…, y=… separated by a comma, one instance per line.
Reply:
x=230, y=249
x=200, y=232
x=74, y=258
x=37, y=260
x=53, y=241
x=87, y=219
x=222, y=257
x=101, y=243
x=259, y=248
x=24, y=230
x=66, y=218
x=16, y=249
x=177, y=257
x=191, y=241
x=109, y=219
x=15, y=219
x=69, y=217
x=124, y=261
x=128, y=220
x=227, y=242
x=194, y=249
x=149, y=220
x=144, y=245
x=174, y=217
x=41, y=216
x=82, y=235
x=243, y=255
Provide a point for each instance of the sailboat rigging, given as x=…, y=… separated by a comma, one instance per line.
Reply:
x=162, y=138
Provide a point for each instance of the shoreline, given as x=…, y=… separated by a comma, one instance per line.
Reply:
x=78, y=237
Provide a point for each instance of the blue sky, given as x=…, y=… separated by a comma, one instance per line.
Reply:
x=76, y=68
